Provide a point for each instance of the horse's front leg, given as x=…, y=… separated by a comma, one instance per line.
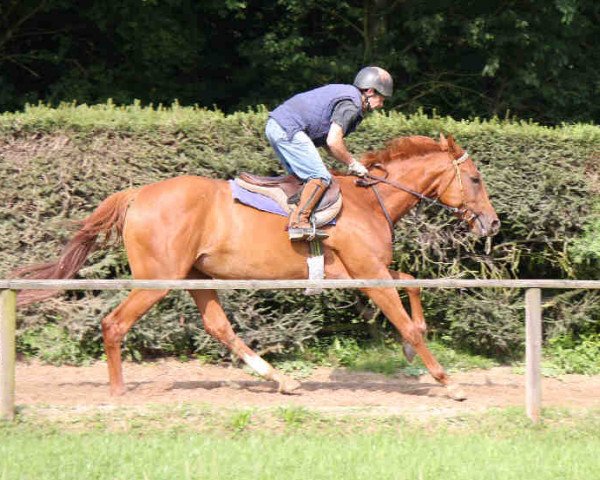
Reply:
x=389, y=301
x=416, y=311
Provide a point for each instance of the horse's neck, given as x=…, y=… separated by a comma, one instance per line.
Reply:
x=421, y=174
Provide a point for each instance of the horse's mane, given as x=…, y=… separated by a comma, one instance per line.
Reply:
x=401, y=148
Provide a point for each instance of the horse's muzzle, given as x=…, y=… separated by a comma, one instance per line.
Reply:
x=484, y=225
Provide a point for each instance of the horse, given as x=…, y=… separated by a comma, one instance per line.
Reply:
x=189, y=227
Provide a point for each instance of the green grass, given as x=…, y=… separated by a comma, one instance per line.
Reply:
x=562, y=356
x=191, y=442
x=565, y=355
x=389, y=359
x=385, y=357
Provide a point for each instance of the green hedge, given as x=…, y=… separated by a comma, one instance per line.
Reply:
x=56, y=165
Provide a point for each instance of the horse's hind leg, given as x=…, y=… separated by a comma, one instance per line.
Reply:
x=117, y=323
x=416, y=311
x=218, y=326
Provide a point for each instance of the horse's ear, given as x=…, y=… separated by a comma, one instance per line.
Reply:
x=452, y=146
x=451, y=143
x=443, y=142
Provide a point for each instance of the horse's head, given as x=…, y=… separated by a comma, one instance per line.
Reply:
x=463, y=187
x=437, y=172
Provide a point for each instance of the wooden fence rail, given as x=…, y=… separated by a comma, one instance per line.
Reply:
x=533, y=313
x=287, y=284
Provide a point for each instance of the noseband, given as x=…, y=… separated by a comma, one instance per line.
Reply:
x=464, y=213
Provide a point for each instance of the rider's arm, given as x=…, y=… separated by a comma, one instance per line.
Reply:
x=343, y=118
x=344, y=115
x=336, y=145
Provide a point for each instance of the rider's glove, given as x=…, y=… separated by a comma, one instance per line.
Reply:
x=358, y=169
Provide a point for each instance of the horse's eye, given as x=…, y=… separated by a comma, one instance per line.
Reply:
x=476, y=180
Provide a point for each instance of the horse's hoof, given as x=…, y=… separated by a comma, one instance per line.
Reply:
x=287, y=385
x=409, y=351
x=455, y=392
x=117, y=392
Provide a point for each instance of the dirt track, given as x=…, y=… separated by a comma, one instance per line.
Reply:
x=170, y=381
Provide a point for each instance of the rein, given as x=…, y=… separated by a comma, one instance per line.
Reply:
x=373, y=180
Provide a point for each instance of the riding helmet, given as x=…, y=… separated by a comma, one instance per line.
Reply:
x=375, y=78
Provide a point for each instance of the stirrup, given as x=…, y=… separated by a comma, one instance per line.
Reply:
x=309, y=234
x=297, y=234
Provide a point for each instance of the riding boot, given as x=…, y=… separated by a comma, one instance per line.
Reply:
x=300, y=227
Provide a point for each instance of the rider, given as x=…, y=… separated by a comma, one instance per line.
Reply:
x=322, y=118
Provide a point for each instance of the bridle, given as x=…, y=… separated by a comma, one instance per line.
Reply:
x=463, y=212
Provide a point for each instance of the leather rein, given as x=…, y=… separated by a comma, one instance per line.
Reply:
x=372, y=181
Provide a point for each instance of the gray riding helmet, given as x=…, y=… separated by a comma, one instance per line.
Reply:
x=375, y=78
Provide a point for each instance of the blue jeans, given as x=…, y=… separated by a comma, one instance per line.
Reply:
x=298, y=155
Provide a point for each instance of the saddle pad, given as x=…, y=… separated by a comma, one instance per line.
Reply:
x=258, y=201
x=255, y=200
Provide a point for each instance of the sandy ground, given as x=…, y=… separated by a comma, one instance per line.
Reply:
x=171, y=381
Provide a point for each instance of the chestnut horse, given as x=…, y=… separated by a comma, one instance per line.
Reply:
x=190, y=227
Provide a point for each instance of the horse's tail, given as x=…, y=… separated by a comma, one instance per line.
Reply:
x=108, y=217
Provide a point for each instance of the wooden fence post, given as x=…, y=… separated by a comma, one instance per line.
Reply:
x=533, y=353
x=7, y=353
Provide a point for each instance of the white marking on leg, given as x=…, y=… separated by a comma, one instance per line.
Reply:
x=258, y=364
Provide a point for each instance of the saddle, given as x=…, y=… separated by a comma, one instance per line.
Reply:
x=285, y=190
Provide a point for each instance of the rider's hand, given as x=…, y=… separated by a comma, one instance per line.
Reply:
x=358, y=169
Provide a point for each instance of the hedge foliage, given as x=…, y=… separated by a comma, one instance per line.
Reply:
x=56, y=165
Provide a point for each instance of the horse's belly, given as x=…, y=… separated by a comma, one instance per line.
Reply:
x=252, y=265
x=257, y=247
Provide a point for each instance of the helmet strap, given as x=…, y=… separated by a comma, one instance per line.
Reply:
x=366, y=104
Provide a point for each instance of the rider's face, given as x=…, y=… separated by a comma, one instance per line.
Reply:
x=374, y=99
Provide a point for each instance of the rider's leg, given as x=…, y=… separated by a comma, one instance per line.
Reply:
x=300, y=157
x=300, y=227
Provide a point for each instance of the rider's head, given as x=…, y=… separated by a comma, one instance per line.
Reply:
x=375, y=84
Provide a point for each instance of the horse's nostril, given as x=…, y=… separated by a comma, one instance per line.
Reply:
x=495, y=225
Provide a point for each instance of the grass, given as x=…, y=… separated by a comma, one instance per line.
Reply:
x=385, y=357
x=565, y=355
x=389, y=359
x=562, y=356
x=195, y=442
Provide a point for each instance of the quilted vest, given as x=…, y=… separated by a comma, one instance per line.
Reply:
x=311, y=111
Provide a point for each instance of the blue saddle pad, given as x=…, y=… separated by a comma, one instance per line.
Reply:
x=255, y=200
